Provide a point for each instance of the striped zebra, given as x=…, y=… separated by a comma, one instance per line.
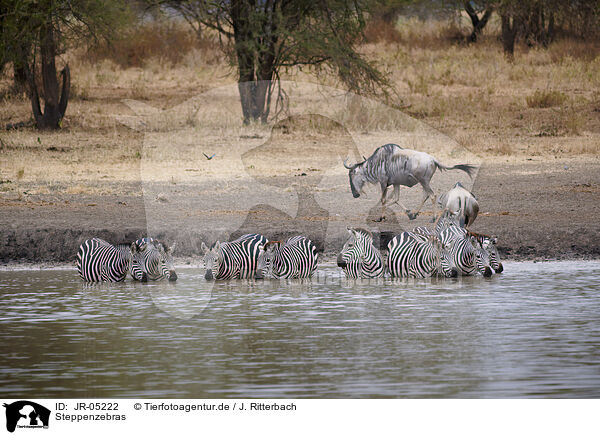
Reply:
x=98, y=260
x=359, y=257
x=448, y=227
x=231, y=260
x=466, y=252
x=418, y=256
x=489, y=244
x=296, y=258
x=151, y=260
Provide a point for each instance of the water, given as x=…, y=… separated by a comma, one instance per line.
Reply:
x=533, y=331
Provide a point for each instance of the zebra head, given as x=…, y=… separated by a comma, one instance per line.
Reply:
x=152, y=261
x=212, y=260
x=359, y=257
x=265, y=259
x=444, y=264
x=489, y=244
x=482, y=258
x=357, y=177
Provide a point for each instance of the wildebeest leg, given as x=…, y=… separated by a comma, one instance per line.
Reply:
x=396, y=194
x=427, y=192
x=382, y=201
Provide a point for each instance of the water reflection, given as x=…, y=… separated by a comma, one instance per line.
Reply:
x=533, y=331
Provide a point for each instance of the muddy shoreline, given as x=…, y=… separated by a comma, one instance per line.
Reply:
x=538, y=211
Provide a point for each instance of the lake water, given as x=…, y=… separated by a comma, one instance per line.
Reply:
x=533, y=331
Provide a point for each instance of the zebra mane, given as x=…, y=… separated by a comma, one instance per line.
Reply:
x=364, y=232
x=479, y=235
x=271, y=242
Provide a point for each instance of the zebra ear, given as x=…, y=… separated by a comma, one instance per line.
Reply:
x=203, y=248
x=133, y=247
x=216, y=246
x=171, y=248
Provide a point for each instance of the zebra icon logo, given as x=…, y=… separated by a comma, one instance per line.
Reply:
x=26, y=414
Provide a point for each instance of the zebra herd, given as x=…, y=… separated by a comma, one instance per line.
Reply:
x=145, y=259
x=448, y=250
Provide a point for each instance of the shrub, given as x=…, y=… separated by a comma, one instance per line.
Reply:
x=543, y=99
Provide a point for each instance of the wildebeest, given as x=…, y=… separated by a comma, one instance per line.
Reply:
x=392, y=165
x=461, y=203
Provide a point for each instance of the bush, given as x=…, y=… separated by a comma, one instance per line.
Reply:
x=544, y=99
x=165, y=41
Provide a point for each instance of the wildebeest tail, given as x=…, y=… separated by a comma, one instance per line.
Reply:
x=469, y=169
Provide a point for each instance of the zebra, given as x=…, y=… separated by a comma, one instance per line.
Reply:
x=448, y=228
x=468, y=256
x=359, y=258
x=98, y=260
x=461, y=203
x=392, y=165
x=418, y=256
x=489, y=244
x=296, y=258
x=230, y=260
x=151, y=260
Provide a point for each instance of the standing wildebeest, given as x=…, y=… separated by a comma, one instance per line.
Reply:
x=461, y=203
x=392, y=165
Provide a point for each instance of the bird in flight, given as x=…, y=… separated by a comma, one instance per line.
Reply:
x=208, y=158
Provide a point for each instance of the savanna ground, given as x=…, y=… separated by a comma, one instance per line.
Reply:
x=132, y=142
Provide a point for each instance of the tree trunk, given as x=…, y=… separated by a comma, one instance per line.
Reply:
x=509, y=33
x=255, y=62
x=478, y=24
x=54, y=106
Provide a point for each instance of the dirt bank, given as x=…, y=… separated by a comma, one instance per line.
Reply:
x=539, y=209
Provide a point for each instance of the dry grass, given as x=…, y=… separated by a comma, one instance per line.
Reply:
x=470, y=92
x=544, y=99
x=165, y=42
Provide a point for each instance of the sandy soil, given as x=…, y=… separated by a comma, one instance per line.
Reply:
x=539, y=209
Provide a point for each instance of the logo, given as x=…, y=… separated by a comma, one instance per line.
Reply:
x=26, y=414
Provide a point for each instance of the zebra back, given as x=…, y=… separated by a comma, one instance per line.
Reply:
x=98, y=260
x=296, y=258
x=467, y=254
x=236, y=259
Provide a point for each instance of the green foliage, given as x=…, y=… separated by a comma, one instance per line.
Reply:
x=73, y=23
x=267, y=37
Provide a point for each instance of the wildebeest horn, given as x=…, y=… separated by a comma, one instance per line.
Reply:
x=348, y=167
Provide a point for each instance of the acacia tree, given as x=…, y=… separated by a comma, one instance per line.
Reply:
x=34, y=33
x=269, y=36
x=478, y=23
